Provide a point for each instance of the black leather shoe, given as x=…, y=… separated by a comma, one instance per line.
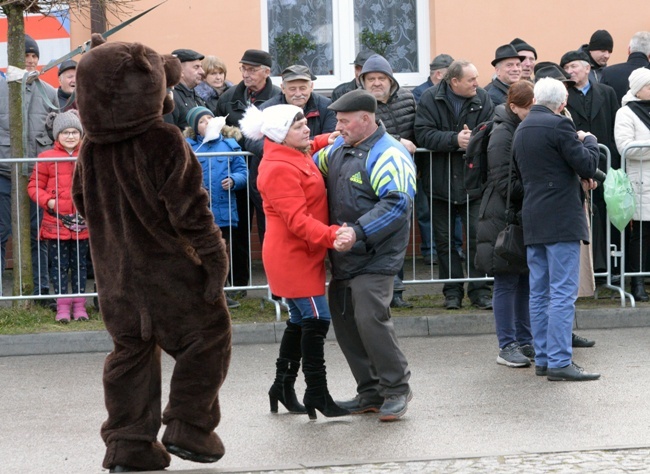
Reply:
x=361, y=404
x=395, y=406
x=483, y=302
x=579, y=341
x=541, y=370
x=398, y=302
x=570, y=373
x=191, y=455
x=452, y=302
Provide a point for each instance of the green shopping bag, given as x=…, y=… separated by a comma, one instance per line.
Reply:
x=619, y=197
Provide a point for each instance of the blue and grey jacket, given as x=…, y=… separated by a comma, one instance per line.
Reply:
x=371, y=188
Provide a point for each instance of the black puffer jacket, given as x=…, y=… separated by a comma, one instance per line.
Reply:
x=436, y=128
x=492, y=213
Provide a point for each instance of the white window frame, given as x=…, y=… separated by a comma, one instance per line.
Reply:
x=344, y=44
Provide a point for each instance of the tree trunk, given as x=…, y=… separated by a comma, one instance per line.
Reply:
x=22, y=256
x=97, y=16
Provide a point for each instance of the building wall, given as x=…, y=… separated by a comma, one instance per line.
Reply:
x=468, y=29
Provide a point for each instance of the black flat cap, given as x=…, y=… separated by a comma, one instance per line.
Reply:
x=353, y=101
x=440, y=62
x=571, y=56
x=521, y=45
x=506, y=51
x=67, y=64
x=297, y=72
x=552, y=70
x=185, y=55
x=362, y=57
x=257, y=57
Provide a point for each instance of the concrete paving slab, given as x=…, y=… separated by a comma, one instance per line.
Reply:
x=465, y=406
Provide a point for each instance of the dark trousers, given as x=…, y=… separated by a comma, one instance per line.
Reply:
x=637, y=259
x=360, y=314
x=449, y=263
x=68, y=257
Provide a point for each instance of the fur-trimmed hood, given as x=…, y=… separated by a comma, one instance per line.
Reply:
x=228, y=131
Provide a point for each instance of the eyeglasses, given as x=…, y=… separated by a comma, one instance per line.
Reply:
x=73, y=133
x=249, y=70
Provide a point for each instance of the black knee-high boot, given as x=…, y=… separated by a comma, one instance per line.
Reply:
x=287, y=367
x=317, y=397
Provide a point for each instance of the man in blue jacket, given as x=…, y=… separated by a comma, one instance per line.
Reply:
x=556, y=165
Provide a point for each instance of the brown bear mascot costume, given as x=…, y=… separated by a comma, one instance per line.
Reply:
x=160, y=261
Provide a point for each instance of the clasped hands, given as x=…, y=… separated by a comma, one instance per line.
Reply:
x=345, y=238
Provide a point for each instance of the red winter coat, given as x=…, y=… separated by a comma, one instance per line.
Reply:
x=297, y=235
x=53, y=180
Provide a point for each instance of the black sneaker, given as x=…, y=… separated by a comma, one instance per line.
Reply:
x=453, y=302
x=528, y=350
x=511, y=356
x=579, y=341
x=483, y=302
x=398, y=302
x=395, y=406
x=360, y=404
x=232, y=304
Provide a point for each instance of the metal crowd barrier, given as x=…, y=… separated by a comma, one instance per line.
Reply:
x=643, y=255
x=414, y=273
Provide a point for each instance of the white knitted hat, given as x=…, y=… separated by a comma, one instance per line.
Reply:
x=273, y=122
x=638, y=79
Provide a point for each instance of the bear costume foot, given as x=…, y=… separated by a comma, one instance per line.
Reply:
x=135, y=456
x=192, y=443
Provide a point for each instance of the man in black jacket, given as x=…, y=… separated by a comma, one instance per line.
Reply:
x=184, y=96
x=507, y=70
x=593, y=109
x=255, y=88
x=445, y=117
x=354, y=84
x=617, y=76
x=598, y=51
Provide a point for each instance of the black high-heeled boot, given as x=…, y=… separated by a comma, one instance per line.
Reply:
x=638, y=289
x=317, y=396
x=287, y=367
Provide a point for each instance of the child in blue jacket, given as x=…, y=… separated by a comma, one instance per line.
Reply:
x=222, y=175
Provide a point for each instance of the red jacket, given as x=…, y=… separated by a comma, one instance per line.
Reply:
x=297, y=235
x=53, y=180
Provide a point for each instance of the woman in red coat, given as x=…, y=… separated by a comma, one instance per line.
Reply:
x=296, y=242
x=67, y=236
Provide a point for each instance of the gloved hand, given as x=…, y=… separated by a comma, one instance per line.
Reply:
x=216, y=270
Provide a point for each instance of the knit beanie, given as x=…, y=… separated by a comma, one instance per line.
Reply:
x=273, y=122
x=639, y=79
x=377, y=63
x=601, y=40
x=194, y=115
x=31, y=46
x=65, y=120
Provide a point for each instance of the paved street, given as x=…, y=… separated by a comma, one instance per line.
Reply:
x=468, y=414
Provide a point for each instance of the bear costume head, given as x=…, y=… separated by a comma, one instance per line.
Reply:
x=142, y=76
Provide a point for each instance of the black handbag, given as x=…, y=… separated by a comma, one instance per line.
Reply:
x=510, y=241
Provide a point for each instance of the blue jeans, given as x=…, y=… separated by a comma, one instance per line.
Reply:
x=313, y=307
x=38, y=248
x=510, y=302
x=554, y=272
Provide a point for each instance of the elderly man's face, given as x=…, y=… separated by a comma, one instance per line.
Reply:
x=437, y=75
x=467, y=85
x=254, y=76
x=600, y=56
x=528, y=64
x=353, y=126
x=579, y=71
x=191, y=73
x=297, y=92
x=508, y=71
x=31, y=61
x=378, y=84
x=67, y=80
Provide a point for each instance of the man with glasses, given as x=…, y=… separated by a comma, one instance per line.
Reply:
x=184, y=96
x=255, y=88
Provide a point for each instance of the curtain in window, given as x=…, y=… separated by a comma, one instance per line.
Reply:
x=398, y=17
x=310, y=18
